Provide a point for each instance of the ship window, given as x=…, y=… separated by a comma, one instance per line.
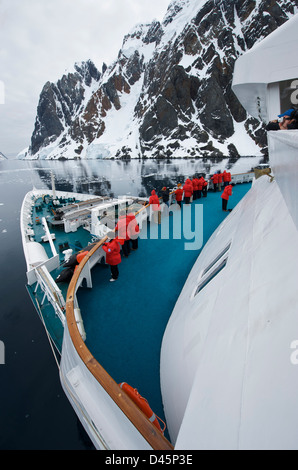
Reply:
x=211, y=276
x=221, y=254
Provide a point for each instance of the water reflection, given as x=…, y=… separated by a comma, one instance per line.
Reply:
x=116, y=177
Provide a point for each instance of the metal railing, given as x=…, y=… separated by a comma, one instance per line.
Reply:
x=51, y=291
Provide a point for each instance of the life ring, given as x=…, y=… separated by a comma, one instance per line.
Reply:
x=143, y=404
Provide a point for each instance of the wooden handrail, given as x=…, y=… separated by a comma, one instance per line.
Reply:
x=150, y=433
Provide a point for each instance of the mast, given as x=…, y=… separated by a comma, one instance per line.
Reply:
x=53, y=185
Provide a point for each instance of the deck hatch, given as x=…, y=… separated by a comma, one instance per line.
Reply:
x=221, y=254
x=211, y=276
x=213, y=268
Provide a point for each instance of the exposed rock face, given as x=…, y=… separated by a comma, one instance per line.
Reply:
x=59, y=103
x=169, y=91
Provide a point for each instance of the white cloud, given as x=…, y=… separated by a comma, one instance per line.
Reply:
x=40, y=39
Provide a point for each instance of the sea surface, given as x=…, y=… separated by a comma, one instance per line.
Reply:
x=34, y=413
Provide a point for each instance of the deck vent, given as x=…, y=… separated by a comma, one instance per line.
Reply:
x=221, y=254
x=211, y=271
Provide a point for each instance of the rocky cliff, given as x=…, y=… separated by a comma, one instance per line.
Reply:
x=168, y=94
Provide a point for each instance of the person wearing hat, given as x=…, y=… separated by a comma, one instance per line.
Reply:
x=294, y=119
x=123, y=234
x=214, y=179
x=287, y=113
x=285, y=121
x=227, y=192
x=188, y=191
x=195, y=186
x=165, y=194
x=227, y=177
x=113, y=257
x=220, y=178
x=203, y=184
x=133, y=230
x=154, y=202
x=179, y=194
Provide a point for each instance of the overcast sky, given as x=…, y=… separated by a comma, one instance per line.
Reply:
x=40, y=39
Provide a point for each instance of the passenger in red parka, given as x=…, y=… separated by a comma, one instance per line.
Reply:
x=203, y=185
x=179, y=194
x=113, y=257
x=133, y=230
x=188, y=191
x=121, y=228
x=214, y=179
x=227, y=178
x=227, y=192
x=220, y=177
x=154, y=202
x=195, y=187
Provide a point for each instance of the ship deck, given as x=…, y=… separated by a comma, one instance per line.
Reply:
x=75, y=241
x=125, y=320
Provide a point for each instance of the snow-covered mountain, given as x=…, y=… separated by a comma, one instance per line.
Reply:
x=168, y=94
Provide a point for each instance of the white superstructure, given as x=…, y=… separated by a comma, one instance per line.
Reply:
x=228, y=365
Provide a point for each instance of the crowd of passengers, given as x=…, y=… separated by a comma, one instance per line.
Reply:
x=127, y=228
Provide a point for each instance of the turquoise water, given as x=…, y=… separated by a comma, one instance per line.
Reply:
x=126, y=319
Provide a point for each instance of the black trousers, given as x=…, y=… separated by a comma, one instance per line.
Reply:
x=126, y=248
x=224, y=204
x=134, y=243
x=114, y=271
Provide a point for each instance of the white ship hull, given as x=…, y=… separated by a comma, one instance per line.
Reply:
x=229, y=355
x=226, y=357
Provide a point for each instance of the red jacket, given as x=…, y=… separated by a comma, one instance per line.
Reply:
x=226, y=176
x=227, y=192
x=132, y=227
x=195, y=184
x=112, y=250
x=179, y=194
x=215, y=178
x=201, y=183
x=121, y=227
x=187, y=188
x=154, y=201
